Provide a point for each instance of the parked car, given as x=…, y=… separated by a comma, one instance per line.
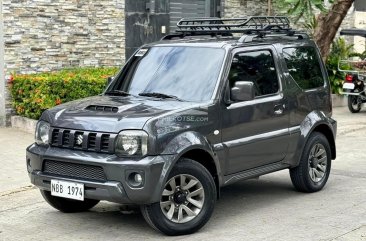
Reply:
x=196, y=111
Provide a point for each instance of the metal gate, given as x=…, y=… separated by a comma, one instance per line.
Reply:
x=149, y=20
x=187, y=8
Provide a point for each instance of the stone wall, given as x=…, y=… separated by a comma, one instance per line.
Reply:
x=9, y=111
x=44, y=35
x=240, y=8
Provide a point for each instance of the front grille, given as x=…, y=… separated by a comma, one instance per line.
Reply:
x=66, y=138
x=104, y=141
x=92, y=140
x=83, y=140
x=73, y=170
x=54, y=137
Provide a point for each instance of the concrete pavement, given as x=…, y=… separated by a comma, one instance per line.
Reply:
x=13, y=174
x=264, y=209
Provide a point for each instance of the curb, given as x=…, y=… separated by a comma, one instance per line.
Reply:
x=23, y=123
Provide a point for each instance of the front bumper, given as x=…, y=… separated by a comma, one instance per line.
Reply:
x=116, y=186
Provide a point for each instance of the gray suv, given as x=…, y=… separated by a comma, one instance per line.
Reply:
x=222, y=100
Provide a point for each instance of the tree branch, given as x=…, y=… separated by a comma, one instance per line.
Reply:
x=328, y=25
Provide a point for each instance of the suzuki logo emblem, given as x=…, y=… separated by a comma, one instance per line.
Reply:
x=79, y=139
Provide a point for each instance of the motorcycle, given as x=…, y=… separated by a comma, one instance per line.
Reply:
x=355, y=69
x=354, y=88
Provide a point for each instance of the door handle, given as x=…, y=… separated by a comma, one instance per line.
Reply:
x=278, y=109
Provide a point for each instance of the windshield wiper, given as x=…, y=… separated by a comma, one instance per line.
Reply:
x=159, y=95
x=117, y=92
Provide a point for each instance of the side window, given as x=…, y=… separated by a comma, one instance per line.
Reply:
x=304, y=66
x=257, y=67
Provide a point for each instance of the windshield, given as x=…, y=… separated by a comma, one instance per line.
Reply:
x=188, y=73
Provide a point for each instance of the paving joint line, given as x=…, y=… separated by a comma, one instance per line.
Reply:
x=17, y=207
x=17, y=190
x=341, y=235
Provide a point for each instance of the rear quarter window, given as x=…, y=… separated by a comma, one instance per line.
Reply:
x=303, y=65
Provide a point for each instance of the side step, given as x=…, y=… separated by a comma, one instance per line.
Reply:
x=255, y=172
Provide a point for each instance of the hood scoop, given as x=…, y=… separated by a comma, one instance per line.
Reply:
x=102, y=108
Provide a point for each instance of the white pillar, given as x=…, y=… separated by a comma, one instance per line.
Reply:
x=2, y=78
x=360, y=22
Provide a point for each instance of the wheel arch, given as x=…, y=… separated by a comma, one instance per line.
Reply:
x=327, y=132
x=316, y=121
x=205, y=159
x=196, y=147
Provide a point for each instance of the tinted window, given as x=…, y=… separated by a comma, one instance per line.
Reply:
x=304, y=67
x=190, y=73
x=257, y=67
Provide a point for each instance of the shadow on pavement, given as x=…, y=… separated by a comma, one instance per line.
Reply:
x=243, y=198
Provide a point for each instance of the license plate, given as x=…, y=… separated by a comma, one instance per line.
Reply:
x=349, y=86
x=71, y=190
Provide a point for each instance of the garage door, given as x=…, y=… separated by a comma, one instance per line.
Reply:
x=187, y=8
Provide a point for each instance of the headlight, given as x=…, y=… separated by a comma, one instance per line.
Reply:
x=42, y=133
x=131, y=143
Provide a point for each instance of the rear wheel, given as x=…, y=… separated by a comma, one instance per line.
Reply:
x=354, y=103
x=68, y=205
x=187, y=200
x=313, y=171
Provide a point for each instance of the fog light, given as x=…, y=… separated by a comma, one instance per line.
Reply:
x=135, y=179
x=138, y=179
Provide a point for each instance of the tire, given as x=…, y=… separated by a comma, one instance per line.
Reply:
x=164, y=215
x=68, y=205
x=354, y=105
x=316, y=156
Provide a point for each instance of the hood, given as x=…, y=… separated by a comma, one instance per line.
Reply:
x=110, y=113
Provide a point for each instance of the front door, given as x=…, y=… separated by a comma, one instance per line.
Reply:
x=256, y=131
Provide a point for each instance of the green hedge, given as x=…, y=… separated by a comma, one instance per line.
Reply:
x=34, y=93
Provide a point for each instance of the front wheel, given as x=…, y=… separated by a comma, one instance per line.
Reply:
x=313, y=171
x=187, y=200
x=354, y=103
x=68, y=205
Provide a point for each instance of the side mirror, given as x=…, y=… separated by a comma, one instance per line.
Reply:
x=110, y=79
x=242, y=91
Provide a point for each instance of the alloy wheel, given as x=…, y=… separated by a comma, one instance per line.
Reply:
x=317, y=163
x=182, y=198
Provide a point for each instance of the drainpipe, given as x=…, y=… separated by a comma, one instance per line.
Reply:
x=2, y=78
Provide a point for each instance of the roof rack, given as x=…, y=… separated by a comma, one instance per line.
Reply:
x=251, y=27
x=233, y=25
